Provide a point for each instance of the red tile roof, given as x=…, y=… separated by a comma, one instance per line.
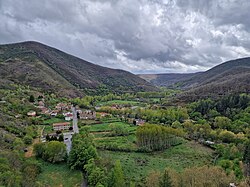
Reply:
x=61, y=124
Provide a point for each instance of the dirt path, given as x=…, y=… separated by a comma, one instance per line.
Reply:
x=101, y=132
x=29, y=153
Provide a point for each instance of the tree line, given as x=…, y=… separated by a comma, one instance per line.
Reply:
x=155, y=137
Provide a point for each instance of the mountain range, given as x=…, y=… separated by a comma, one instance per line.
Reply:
x=40, y=66
x=227, y=78
x=51, y=70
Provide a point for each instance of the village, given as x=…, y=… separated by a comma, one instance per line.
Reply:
x=59, y=119
x=119, y=129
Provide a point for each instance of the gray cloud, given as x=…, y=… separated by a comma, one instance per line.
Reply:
x=143, y=36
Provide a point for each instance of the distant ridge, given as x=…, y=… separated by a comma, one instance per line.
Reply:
x=227, y=78
x=167, y=79
x=37, y=65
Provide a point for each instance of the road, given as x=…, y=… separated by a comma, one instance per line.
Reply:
x=68, y=135
x=67, y=140
x=75, y=126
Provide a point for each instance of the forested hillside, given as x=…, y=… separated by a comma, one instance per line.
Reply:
x=41, y=66
x=227, y=78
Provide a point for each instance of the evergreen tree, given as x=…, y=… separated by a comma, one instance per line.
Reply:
x=165, y=180
x=32, y=99
x=47, y=138
x=61, y=139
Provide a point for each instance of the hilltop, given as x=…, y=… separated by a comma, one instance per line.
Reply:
x=47, y=68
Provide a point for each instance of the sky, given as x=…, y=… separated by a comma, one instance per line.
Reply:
x=140, y=36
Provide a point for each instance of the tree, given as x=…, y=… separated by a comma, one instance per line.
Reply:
x=39, y=149
x=52, y=151
x=32, y=99
x=82, y=151
x=27, y=139
x=132, y=184
x=226, y=165
x=10, y=178
x=31, y=170
x=118, y=180
x=40, y=98
x=55, y=152
x=206, y=176
x=47, y=137
x=165, y=180
x=61, y=138
x=222, y=122
x=246, y=158
x=95, y=174
x=156, y=137
x=153, y=179
x=227, y=136
x=10, y=174
x=176, y=125
x=18, y=144
x=119, y=130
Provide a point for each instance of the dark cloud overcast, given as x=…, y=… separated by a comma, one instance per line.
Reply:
x=144, y=36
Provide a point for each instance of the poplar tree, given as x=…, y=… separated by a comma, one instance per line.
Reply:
x=118, y=175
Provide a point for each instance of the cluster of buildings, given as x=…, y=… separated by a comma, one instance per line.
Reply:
x=60, y=107
x=65, y=110
x=68, y=116
x=86, y=114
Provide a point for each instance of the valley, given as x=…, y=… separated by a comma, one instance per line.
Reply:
x=198, y=134
x=117, y=93
x=227, y=78
x=62, y=131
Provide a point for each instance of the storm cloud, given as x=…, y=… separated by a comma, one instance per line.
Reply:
x=144, y=36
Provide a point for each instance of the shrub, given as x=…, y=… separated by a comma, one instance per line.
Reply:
x=27, y=140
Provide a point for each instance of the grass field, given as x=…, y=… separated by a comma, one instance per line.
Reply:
x=87, y=122
x=58, y=175
x=137, y=166
x=104, y=138
x=119, y=142
x=53, y=120
x=105, y=127
x=47, y=129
